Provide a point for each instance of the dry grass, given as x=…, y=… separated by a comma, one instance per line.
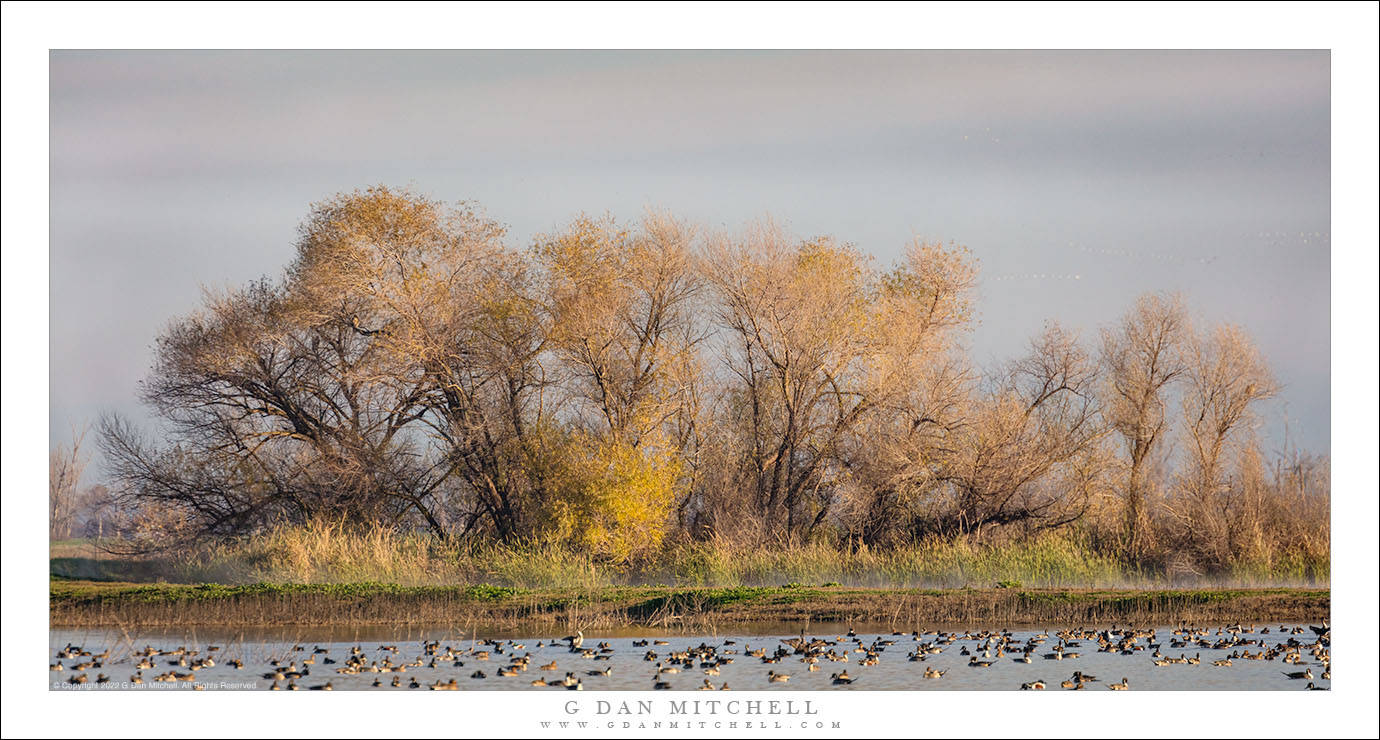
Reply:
x=327, y=574
x=329, y=553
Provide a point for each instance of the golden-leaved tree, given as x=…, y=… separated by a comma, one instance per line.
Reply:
x=607, y=497
x=621, y=347
x=610, y=385
x=305, y=397
x=818, y=341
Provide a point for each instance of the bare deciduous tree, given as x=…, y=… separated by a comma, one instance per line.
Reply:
x=1142, y=355
x=610, y=383
x=894, y=459
x=458, y=316
x=297, y=400
x=1226, y=377
x=817, y=341
x=66, y=464
x=1026, y=452
x=623, y=326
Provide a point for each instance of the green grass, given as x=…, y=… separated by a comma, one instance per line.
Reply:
x=103, y=592
x=88, y=604
x=64, y=590
x=649, y=597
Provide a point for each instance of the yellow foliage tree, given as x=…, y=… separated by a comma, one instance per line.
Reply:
x=608, y=497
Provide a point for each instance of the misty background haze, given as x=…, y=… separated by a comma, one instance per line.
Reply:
x=1079, y=179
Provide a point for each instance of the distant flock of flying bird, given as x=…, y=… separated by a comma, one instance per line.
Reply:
x=1268, y=238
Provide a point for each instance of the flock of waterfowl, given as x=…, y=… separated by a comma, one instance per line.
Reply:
x=302, y=667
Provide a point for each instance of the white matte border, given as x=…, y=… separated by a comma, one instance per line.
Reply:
x=30, y=30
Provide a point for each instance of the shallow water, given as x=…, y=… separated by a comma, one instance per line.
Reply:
x=630, y=671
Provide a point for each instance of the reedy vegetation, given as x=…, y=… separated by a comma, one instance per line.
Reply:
x=332, y=553
x=654, y=402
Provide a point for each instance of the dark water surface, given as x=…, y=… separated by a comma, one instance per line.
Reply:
x=629, y=670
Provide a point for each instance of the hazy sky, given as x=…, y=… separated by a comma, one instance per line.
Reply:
x=1079, y=179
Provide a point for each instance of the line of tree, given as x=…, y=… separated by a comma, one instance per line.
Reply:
x=613, y=384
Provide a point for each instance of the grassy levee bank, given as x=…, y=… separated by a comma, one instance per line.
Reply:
x=105, y=604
